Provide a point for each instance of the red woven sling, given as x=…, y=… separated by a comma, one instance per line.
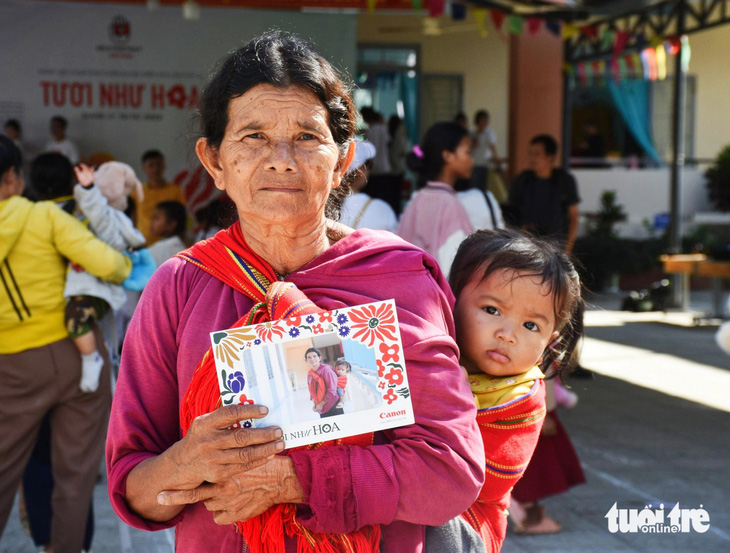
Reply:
x=509, y=433
x=228, y=258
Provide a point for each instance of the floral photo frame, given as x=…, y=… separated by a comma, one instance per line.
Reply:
x=267, y=364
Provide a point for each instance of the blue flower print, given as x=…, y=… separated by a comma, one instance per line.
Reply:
x=247, y=424
x=236, y=382
x=294, y=332
x=256, y=342
x=344, y=331
x=341, y=318
x=309, y=319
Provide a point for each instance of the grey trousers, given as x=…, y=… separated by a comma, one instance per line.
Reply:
x=46, y=380
x=456, y=536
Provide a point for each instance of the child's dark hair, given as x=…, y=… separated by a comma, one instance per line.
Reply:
x=10, y=156
x=51, y=176
x=427, y=159
x=175, y=212
x=344, y=363
x=488, y=251
x=152, y=154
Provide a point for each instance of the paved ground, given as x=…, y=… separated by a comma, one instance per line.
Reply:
x=639, y=439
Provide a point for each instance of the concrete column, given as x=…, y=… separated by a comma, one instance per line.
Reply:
x=535, y=93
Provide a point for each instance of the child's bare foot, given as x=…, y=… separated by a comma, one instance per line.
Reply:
x=534, y=521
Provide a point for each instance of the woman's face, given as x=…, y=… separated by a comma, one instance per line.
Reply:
x=278, y=159
x=313, y=360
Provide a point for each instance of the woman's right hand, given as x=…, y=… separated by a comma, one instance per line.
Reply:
x=212, y=452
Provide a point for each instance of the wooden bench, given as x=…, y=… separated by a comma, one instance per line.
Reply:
x=698, y=264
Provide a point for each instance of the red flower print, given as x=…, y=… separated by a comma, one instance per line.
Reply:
x=235, y=426
x=317, y=329
x=326, y=317
x=373, y=322
x=243, y=400
x=395, y=376
x=381, y=385
x=381, y=368
x=390, y=397
x=266, y=331
x=296, y=320
x=390, y=353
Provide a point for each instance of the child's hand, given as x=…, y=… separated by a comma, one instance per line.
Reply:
x=84, y=174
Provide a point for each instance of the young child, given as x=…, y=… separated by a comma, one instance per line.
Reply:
x=517, y=315
x=168, y=227
x=342, y=367
x=102, y=198
x=155, y=191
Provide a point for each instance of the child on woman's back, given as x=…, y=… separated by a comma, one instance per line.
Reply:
x=342, y=367
x=517, y=314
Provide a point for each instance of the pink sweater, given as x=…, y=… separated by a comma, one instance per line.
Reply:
x=346, y=487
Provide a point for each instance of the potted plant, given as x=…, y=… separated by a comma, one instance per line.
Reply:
x=718, y=181
x=600, y=251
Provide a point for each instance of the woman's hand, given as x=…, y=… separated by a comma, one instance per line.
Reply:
x=84, y=174
x=244, y=495
x=212, y=452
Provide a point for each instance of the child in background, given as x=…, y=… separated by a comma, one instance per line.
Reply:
x=168, y=227
x=155, y=191
x=517, y=315
x=342, y=367
x=102, y=198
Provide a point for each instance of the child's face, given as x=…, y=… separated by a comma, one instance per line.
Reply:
x=160, y=225
x=154, y=167
x=503, y=323
x=341, y=370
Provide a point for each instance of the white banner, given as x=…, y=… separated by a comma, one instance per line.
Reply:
x=128, y=79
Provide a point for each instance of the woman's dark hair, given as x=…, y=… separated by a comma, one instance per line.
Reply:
x=488, y=251
x=312, y=350
x=549, y=144
x=282, y=60
x=439, y=138
x=51, y=176
x=152, y=154
x=13, y=124
x=481, y=114
x=10, y=156
x=175, y=212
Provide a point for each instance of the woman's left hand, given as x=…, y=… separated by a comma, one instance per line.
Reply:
x=244, y=495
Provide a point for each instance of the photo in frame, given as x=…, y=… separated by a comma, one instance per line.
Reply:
x=290, y=366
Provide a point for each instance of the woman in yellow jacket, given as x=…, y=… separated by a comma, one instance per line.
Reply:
x=40, y=368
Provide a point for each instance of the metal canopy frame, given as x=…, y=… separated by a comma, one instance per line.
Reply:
x=666, y=19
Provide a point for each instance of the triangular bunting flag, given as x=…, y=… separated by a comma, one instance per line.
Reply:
x=458, y=11
x=533, y=25
x=497, y=18
x=515, y=24
x=480, y=16
x=417, y=4
x=661, y=62
x=622, y=37
x=554, y=27
x=607, y=39
x=570, y=31
x=371, y=5
x=591, y=31
x=436, y=8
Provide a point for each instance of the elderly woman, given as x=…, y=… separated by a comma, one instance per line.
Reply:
x=278, y=125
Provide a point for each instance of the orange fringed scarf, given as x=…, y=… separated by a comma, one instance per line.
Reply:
x=228, y=258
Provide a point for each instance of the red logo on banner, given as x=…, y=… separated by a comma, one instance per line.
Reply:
x=120, y=30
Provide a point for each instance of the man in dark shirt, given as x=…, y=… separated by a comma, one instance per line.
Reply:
x=546, y=197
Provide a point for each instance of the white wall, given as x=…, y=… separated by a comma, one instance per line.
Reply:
x=643, y=193
x=64, y=42
x=482, y=61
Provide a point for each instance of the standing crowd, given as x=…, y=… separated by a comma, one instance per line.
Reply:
x=487, y=336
